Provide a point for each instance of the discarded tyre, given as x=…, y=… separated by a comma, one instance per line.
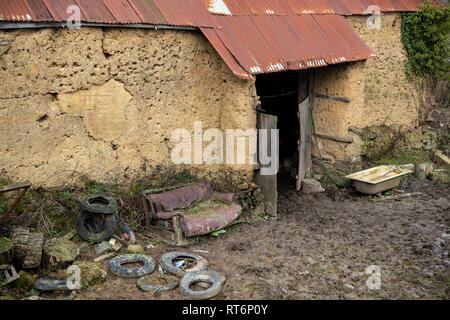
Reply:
x=71, y=297
x=144, y=285
x=211, y=277
x=100, y=204
x=116, y=265
x=88, y=234
x=167, y=262
x=51, y=285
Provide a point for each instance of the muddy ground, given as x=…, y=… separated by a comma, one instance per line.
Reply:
x=320, y=247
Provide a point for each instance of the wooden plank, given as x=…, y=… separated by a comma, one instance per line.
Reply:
x=268, y=183
x=13, y=187
x=335, y=98
x=305, y=142
x=333, y=138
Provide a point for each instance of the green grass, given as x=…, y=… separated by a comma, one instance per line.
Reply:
x=93, y=187
x=400, y=158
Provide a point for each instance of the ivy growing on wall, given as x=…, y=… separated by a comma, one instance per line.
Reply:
x=425, y=35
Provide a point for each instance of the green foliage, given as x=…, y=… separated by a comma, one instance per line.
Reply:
x=217, y=233
x=425, y=35
x=96, y=188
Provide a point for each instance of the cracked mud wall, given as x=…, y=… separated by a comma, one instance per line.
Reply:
x=379, y=90
x=101, y=104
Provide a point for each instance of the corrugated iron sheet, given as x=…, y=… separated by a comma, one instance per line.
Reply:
x=12, y=10
x=148, y=11
x=342, y=7
x=235, y=44
x=270, y=43
x=58, y=9
x=252, y=36
x=188, y=13
x=122, y=11
x=95, y=11
x=226, y=55
x=193, y=13
x=39, y=10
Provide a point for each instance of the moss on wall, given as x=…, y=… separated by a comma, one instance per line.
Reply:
x=379, y=90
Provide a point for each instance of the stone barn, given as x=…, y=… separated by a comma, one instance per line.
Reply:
x=95, y=89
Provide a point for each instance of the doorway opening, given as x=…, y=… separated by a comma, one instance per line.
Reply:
x=279, y=94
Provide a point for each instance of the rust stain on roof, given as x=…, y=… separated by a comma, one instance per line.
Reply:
x=252, y=36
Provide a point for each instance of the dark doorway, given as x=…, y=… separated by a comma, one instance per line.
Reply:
x=279, y=97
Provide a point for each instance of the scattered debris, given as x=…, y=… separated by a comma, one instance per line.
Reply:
x=213, y=278
x=423, y=170
x=147, y=283
x=349, y=286
x=135, y=249
x=201, y=251
x=116, y=265
x=92, y=273
x=150, y=246
x=104, y=247
x=441, y=159
x=70, y=235
x=71, y=297
x=168, y=262
x=59, y=253
x=121, y=241
x=10, y=274
x=398, y=196
x=311, y=186
x=51, y=285
x=105, y=257
x=27, y=248
x=161, y=270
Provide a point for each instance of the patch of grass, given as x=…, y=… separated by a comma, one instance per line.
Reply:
x=64, y=195
x=93, y=187
x=400, y=158
x=263, y=216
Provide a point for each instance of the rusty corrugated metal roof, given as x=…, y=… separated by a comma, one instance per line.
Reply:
x=226, y=55
x=11, y=10
x=252, y=36
x=58, y=9
x=95, y=11
x=270, y=43
x=342, y=7
x=191, y=13
x=148, y=11
x=122, y=11
x=39, y=10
